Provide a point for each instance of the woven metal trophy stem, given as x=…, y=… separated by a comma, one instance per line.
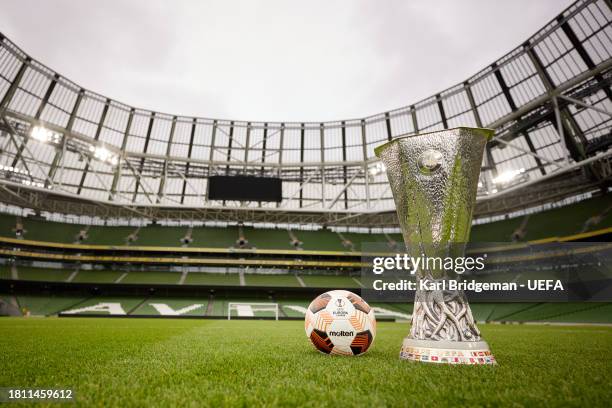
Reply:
x=434, y=179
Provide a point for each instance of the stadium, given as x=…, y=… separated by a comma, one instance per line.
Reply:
x=157, y=259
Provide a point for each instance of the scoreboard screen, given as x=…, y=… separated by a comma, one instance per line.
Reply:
x=245, y=188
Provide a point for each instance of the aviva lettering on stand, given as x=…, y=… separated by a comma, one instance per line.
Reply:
x=195, y=309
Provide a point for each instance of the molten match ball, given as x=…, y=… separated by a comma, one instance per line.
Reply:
x=340, y=322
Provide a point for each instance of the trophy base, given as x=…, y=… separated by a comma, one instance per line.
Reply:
x=447, y=352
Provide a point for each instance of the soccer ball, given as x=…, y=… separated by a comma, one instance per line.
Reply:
x=340, y=322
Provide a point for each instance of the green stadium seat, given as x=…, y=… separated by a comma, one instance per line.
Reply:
x=102, y=235
x=505, y=311
x=293, y=308
x=560, y=222
x=46, y=305
x=85, y=276
x=42, y=230
x=220, y=305
x=202, y=278
x=5, y=272
x=482, y=311
x=330, y=281
x=208, y=237
x=557, y=222
x=43, y=274
x=395, y=310
x=122, y=304
x=152, y=277
x=546, y=311
x=163, y=306
x=286, y=280
x=7, y=224
x=268, y=238
x=597, y=313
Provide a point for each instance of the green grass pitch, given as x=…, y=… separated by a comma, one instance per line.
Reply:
x=157, y=362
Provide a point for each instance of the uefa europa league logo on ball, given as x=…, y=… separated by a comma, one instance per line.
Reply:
x=434, y=179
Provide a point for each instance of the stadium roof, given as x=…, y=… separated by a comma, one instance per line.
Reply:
x=66, y=149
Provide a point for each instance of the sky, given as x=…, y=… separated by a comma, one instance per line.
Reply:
x=275, y=60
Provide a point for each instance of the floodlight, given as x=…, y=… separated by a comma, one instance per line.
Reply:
x=44, y=135
x=12, y=169
x=33, y=183
x=377, y=169
x=103, y=154
x=508, y=176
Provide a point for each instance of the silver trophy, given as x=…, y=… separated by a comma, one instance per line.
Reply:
x=434, y=178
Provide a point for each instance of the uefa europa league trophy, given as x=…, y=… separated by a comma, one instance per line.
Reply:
x=434, y=178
